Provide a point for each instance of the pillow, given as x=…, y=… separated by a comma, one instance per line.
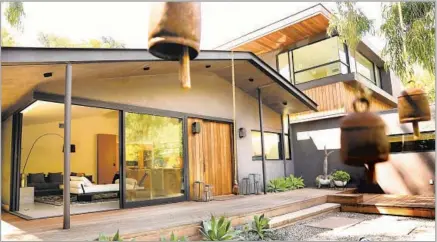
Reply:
x=86, y=182
x=75, y=178
x=76, y=184
x=36, y=178
x=55, y=177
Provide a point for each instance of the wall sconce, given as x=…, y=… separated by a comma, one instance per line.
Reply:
x=241, y=132
x=195, y=128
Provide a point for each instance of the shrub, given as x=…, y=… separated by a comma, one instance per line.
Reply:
x=341, y=176
x=277, y=185
x=285, y=184
x=260, y=225
x=294, y=182
x=175, y=238
x=220, y=230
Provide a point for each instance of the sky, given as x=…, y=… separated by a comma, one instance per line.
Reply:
x=128, y=22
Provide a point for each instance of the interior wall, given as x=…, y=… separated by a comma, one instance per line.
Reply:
x=210, y=95
x=47, y=155
x=6, y=161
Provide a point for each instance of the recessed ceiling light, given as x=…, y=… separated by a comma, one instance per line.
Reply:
x=146, y=68
x=207, y=66
x=285, y=103
x=251, y=79
x=48, y=74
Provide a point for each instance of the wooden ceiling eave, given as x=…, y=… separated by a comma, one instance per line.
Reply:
x=291, y=34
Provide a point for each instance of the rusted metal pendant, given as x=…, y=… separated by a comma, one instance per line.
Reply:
x=174, y=34
x=363, y=137
x=413, y=107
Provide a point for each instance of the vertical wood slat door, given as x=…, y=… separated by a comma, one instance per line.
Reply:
x=210, y=155
x=107, y=158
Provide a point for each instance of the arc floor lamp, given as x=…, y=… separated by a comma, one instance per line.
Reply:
x=72, y=150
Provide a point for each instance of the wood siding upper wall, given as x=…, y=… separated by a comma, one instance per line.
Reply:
x=329, y=98
x=335, y=98
x=375, y=104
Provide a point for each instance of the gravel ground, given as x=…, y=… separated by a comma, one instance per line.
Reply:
x=373, y=228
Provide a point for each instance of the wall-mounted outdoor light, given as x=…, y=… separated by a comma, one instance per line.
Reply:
x=241, y=132
x=196, y=128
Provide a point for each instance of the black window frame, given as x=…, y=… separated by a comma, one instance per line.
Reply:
x=280, y=145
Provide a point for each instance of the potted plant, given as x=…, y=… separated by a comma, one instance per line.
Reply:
x=325, y=179
x=341, y=178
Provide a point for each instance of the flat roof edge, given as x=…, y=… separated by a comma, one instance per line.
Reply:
x=282, y=23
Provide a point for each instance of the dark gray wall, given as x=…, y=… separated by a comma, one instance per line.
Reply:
x=309, y=139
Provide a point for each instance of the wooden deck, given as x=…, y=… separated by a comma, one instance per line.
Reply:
x=404, y=205
x=138, y=222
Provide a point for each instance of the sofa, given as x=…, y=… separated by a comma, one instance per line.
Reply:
x=45, y=185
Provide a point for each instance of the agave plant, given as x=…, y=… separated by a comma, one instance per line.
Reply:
x=116, y=237
x=260, y=226
x=175, y=238
x=277, y=185
x=218, y=230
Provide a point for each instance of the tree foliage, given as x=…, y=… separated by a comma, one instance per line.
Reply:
x=417, y=34
x=51, y=40
x=14, y=13
x=7, y=39
x=350, y=24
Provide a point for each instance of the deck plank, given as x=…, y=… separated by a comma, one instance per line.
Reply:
x=140, y=220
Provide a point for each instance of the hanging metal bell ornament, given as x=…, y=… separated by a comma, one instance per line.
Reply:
x=413, y=107
x=363, y=137
x=174, y=34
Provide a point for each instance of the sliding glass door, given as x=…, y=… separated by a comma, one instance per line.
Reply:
x=154, y=158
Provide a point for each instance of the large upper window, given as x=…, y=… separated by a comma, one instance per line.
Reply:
x=272, y=146
x=315, y=61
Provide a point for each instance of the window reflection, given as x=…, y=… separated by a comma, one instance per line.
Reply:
x=272, y=145
x=316, y=54
x=284, y=65
x=154, y=159
x=320, y=72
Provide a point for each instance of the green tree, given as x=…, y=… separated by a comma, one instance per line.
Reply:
x=7, y=39
x=350, y=24
x=51, y=40
x=14, y=13
x=410, y=37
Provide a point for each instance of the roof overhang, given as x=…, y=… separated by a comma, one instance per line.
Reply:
x=23, y=69
x=282, y=33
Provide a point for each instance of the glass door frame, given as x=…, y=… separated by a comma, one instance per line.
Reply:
x=163, y=113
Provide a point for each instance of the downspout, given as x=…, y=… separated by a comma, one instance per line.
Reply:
x=261, y=124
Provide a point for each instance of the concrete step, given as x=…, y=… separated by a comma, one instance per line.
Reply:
x=286, y=219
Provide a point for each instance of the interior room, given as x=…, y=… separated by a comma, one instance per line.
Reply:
x=94, y=160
